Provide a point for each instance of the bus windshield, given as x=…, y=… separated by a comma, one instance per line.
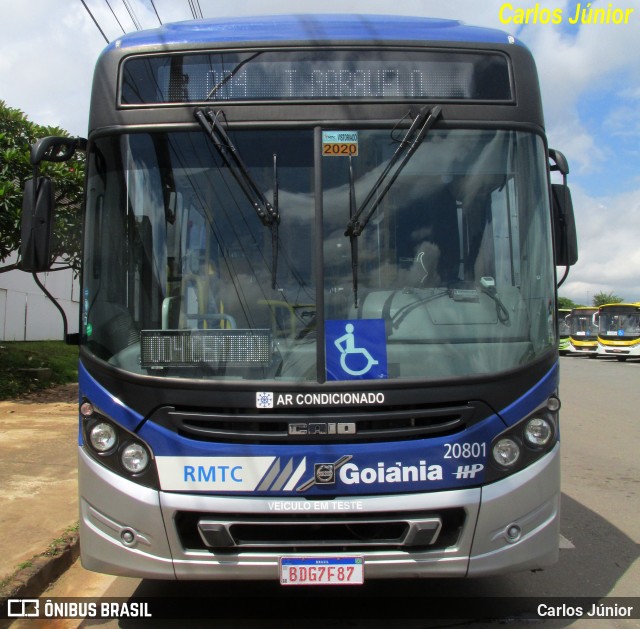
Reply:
x=564, y=318
x=453, y=269
x=584, y=323
x=619, y=321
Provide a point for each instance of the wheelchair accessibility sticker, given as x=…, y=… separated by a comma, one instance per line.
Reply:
x=356, y=349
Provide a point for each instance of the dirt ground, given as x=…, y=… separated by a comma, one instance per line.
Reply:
x=62, y=393
x=38, y=464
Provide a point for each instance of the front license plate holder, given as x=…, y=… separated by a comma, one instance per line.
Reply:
x=308, y=570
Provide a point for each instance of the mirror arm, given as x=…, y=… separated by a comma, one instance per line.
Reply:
x=560, y=164
x=56, y=149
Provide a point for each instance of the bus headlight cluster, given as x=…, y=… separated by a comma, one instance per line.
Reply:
x=103, y=437
x=506, y=452
x=538, y=432
x=116, y=448
x=135, y=458
x=526, y=441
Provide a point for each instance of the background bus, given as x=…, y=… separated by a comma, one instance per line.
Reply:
x=318, y=340
x=583, y=325
x=619, y=330
x=564, y=330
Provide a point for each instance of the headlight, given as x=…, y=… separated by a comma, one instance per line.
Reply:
x=524, y=442
x=135, y=458
x=506, y=452
x=86, y=409
x=116, y=448
x=103, y=437
x=553, y=404
x=538, y=432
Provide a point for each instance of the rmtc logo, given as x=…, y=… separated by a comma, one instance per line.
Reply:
x=468, y=471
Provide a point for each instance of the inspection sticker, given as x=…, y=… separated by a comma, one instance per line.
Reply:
x=339, y=143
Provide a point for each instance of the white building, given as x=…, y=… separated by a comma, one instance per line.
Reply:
x=26, y=314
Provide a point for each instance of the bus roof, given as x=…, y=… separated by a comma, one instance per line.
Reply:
x=282, y=32
x=326, y=27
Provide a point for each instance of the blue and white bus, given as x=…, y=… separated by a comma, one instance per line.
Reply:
x=318, y=326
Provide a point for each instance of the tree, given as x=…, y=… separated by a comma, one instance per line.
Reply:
x=565, y=302
x=602, y=298
x=17, y=134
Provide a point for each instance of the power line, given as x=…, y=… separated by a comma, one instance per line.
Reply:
x=196, y=11
x=132, y=15
x=115, y=16
x=94, y=20
x=156, y=11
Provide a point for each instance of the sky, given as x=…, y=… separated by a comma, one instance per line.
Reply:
x=589, y=74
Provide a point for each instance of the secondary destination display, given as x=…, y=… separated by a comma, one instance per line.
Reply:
x=315, y=75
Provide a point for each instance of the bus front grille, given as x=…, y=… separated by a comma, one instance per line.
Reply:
x=345, y=426
x=301, y=532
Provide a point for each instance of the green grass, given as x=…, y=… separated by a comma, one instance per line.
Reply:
x=62, y=359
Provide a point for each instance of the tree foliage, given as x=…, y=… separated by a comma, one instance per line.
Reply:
x=565, y=302
x=601, y=298
x=17, y=134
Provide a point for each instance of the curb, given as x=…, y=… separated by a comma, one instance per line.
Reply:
x=33, y=580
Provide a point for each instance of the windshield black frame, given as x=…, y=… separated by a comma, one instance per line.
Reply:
x=299, y=318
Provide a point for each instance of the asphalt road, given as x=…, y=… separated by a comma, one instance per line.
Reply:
x=600, y=528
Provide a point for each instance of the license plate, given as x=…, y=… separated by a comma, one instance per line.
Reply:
x=321, y=570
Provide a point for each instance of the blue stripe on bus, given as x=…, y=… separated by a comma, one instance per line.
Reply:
x=533, y=398
x=106, y=402
x=445, y=462
x=306, y=28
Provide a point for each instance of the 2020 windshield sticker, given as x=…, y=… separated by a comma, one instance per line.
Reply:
x=340, y=143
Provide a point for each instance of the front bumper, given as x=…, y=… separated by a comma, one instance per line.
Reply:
x=129, y=530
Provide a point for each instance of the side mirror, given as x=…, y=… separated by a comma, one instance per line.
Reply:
x=37, y=225
x=564, y=226
x=38, y=202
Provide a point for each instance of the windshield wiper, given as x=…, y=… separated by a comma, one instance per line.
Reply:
x=210, y=122
x=269, y=215
x=274, y=225
x=353, y=238
x=407, y=147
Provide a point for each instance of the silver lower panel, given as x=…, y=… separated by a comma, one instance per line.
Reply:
x=130, y=530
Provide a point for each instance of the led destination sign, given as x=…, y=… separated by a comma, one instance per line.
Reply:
x=315, y=75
